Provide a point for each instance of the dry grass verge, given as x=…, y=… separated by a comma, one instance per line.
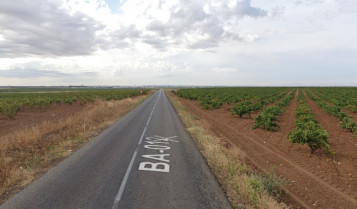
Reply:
x=30, y=151
x=243, y=188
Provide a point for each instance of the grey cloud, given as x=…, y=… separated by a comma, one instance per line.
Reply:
x=244, y=8
x=37, y=73
x=121, y=38
x=277, y=11
x=38, y=70
x=156, y=42
x=44, y=28
x=31, y=73
x=190, y=18
x=127, y=32
x=158, y=27
x=204, y=44
x=241, y=8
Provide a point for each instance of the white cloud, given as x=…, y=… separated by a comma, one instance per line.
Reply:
x=78, y=27
x=173, y=41
x=200, y=24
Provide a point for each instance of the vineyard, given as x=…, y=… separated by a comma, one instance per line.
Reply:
x=345, y=99
x=251, y=100
x=13, y=102
x=309, y=135
x=308, y=130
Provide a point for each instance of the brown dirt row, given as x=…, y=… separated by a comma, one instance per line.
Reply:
x=349, y=112
x=312, y=181
x=31, y=116
x=255, y=114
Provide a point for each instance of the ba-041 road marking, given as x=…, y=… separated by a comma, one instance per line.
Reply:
x=158, y=162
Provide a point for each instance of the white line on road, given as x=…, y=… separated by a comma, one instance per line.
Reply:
x=153, y=109
x=122, y=186
x=123, y=183
x=142, y=136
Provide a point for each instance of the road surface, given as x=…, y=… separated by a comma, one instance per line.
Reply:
x=145, y=160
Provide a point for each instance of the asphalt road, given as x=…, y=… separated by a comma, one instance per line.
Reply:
x=145, y=160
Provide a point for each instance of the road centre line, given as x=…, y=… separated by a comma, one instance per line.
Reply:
x=122, y=186
x=126, y=176
x=153, y=109
x=142, y=135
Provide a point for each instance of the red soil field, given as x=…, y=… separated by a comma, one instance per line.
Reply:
x=318, y=180
x=32, y=116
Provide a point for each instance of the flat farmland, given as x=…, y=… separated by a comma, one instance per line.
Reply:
x=40, y=127
x=308, y=136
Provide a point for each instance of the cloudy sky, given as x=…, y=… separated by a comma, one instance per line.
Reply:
x=178, y=42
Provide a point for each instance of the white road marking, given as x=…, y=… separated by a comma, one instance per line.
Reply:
x=156, y=167
x=153, y=166
x=157, y=147
x=142, y=135
x=153, y=109
x=160, y=144
x=159, y=157
x=160, y=138
x=122, y=186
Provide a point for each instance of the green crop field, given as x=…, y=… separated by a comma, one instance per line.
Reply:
x=13, y=100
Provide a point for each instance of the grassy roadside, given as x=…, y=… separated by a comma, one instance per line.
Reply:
x=30, y=151
x=243, y=188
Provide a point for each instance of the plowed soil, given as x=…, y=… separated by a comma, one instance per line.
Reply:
x=318, y=180
x=32, y=116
